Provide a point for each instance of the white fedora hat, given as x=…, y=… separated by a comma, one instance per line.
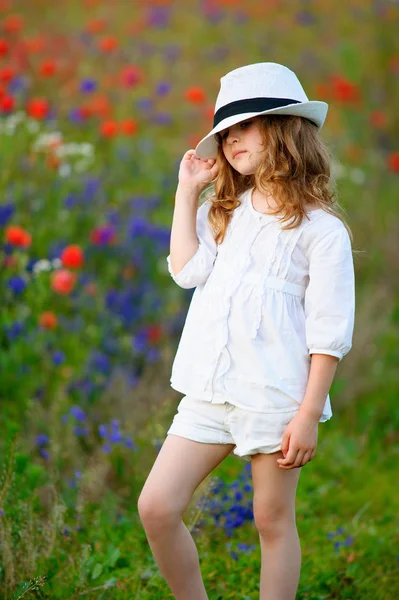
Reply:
x=259, y=89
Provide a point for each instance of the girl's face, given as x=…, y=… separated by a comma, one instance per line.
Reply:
x=245, y=137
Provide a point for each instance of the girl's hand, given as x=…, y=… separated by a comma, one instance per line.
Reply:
x=299, y=442
x=196, y=172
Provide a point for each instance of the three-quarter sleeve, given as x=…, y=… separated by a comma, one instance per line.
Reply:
x=197, y=270
x=330, y=295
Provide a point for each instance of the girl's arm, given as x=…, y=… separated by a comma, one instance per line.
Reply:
x=330, y=295
x=330, y=313
x=193, y=248
x=321, y=375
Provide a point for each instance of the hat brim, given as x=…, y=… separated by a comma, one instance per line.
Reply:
x=314, y=110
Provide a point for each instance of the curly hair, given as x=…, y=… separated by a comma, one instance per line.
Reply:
x=296, y=170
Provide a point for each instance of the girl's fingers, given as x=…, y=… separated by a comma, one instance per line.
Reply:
x=191, y=154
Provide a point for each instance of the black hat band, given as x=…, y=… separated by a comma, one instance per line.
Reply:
x=250, y=105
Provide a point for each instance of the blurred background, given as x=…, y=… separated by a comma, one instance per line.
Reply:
x=99, y=100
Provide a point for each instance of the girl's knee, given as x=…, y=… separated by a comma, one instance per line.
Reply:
x=157, y=510
x=273, y=521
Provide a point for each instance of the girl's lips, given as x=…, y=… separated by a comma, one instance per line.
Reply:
x=238, y=153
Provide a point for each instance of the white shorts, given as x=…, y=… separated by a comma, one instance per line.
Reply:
x=251, y=432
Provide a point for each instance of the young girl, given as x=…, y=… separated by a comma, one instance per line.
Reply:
x=271, y=316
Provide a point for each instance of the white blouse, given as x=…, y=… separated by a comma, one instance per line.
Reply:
x=265, y=299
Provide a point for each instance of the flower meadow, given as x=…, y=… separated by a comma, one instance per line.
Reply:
x=99, y=100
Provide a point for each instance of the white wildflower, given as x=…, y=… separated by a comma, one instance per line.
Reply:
x=64, y=170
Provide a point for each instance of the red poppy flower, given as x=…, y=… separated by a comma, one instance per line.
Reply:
x=37, y=108
x=48, y=320
x=72, y=256
x=4, y=47
x=13, y=24
x=131, y=75
x=17, y=236
x=128, y=126
x=7, y=73
x=195, y=94
x=7, y=103
x=344, y=90
x=48, y=68
x=109, y=128
x=393, y=162
x=108, y=43
x=63, y=281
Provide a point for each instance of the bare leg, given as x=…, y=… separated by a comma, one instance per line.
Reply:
x=180, y=467
x=177, y=557
x=274, y=514
x=281, y=563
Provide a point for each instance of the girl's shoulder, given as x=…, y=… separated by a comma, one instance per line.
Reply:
x=320, y=225
x=321, y=219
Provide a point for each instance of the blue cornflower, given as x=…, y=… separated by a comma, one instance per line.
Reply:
x=42, y=439
x=58, y=357
x=77, y=412
x=88, y=85
x=6, y=212
x=17, y=284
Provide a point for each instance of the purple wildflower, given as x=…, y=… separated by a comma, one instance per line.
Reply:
x=44, y=453
x=78, y=413
x=58, y=357
x=6, y=212
x=88, y=85
x=103, y=430
x=17, y=284
x=14, y=331
x=163, y=88
x=42, y=439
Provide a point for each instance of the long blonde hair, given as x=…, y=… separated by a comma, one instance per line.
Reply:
x=296, y=171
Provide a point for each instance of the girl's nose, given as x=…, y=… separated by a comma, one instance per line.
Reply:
x=232, y=136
